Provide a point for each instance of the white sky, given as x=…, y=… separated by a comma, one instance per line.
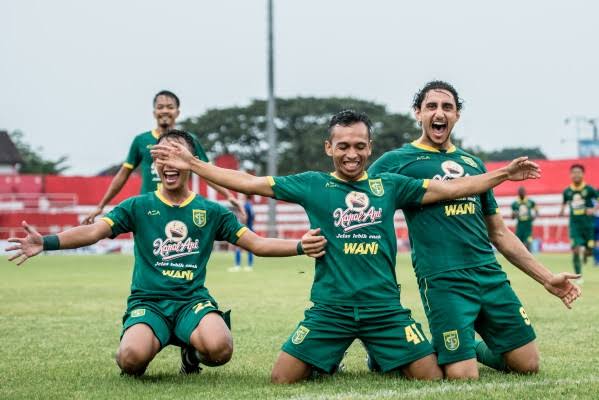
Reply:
x=78, y=77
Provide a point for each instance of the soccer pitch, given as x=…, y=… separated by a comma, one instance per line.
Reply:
x=60, y=320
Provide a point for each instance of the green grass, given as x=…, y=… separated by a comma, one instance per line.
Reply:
x=60, y=325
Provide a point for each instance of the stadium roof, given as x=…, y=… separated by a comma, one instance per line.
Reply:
x=8, y=151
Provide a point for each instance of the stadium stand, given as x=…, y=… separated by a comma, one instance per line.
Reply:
x=54, y=203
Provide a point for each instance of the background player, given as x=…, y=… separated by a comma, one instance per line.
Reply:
x=524, y=210
x=174, y=234
x=462, y=287
x=249, y=222
x=579, y=197
x=166, y=110
x=355, y=292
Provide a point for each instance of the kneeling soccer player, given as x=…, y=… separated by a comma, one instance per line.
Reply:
x=355, y=291
x=174, y=232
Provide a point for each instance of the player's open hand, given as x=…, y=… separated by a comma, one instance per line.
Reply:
x=173, y=154
x=313, y=243
x=27, y=247
x=89, y=219
x=559, y=285
x=239, y=210
x=521, y=169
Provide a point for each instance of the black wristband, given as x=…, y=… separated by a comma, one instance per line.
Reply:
x=300, y=248
x=51, y=242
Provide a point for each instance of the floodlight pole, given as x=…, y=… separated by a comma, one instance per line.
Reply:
x=270, y=126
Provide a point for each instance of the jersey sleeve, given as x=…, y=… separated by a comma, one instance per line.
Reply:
x=565, y=197
x=228, y=226
x=121, y=218
x=134, y=156
x=388, y=162
x=487, y=199
x=408, y=191
x=515, y=206
x=292, y=188
x=199, y=150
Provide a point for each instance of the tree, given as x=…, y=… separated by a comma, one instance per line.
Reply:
x=33, y=161
x=301, y=126
x=508, y=153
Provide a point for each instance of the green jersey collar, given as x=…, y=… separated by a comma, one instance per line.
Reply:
x=421, y=146
x=185, y=202
x=362, y=178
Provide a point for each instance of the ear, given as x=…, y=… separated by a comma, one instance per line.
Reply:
x=457, y=118
x=177, y=113
x=328, y=148
x=417, y=115
x=369, y=148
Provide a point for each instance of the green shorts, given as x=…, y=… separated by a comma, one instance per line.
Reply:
x=582, y=235
x=171, y=321
x=524, y=233
x=458, y=303
x=389, y=333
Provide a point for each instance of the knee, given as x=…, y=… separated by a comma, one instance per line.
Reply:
x=461, y=372
x=132, y=361
x=279, y=378
x=219, y=353
x=530, y=365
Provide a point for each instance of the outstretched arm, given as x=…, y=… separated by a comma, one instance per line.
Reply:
x=518, y=170
x=178, y=156
x=33, y=244
x=115, y=187
x=311, y=244
x=510, y=246
x=230, y=198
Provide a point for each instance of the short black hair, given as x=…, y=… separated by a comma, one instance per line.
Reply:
x=174, y=134
x=436, y=85
x=350, y=117
x=166, y=93
x=579, y=166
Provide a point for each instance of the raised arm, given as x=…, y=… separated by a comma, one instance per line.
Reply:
x=115, y=187
x=33, y=244
x=177, y=156
x=514, y=251
x=230, y=198
x=311, y=244
x=518, y=170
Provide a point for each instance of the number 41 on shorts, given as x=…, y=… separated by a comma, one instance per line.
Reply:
x=413, y=334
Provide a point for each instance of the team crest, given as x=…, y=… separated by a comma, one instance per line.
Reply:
x=452, y=340
x=300, y=334
x=199, y=218
x=140, y=312
x=376, y=187
x=469, y=161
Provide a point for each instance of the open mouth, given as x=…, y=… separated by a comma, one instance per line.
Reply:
x=439, y=127
x=351, y=165
x=171, y=176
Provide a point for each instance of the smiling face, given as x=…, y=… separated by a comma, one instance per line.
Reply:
x=576, y=175
x=350, y=147
x=173, y=179
x=165, y=112
x=437, y=115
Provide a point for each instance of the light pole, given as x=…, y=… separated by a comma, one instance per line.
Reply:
x=270, y=125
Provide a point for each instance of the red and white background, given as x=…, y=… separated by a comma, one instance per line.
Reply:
x=54, y=203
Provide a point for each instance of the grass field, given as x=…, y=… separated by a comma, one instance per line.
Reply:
x=60, y=324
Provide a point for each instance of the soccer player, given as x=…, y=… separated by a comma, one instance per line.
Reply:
x=355, y=291
x=462, y=287
x=579, y=197
x=174, y=230
x=249, y=222
x=524, y=210
x=166, y=110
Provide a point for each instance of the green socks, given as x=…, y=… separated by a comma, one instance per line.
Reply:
x=486, y=357
x=577, y=264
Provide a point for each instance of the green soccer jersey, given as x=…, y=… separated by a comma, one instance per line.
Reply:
x=356, y=218
x=172, y=243
x=580, y=199
x=139, y=154
x=524, y=211
x=448, y=235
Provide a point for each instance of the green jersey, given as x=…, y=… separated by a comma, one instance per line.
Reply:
x=172, y=243
x=524, y=211
x=356, y=218
x=580, y=199
x=139, y=154
x=448, y=235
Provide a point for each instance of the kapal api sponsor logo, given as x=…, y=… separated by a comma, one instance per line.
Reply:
x=357, y=214
x=176, y=244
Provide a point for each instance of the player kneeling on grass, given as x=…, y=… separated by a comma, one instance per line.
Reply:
x=355, y=291
x=174, y=232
